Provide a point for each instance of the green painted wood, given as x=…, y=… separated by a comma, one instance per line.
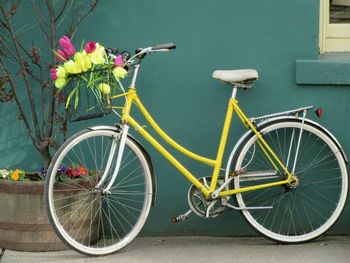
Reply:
x=331, y=69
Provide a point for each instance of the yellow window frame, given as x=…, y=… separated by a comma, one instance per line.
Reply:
x=333, y=37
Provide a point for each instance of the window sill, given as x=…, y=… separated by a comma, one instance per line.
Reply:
x=331, y=68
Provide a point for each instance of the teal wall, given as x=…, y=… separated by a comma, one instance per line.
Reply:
x=177, y=87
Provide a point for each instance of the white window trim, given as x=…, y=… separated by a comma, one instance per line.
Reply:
x=333, y=37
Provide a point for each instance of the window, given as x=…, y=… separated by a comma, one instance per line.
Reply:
x=334, y=25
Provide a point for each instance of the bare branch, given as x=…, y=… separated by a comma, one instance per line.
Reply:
x=12, y=9
x=41, y=20
x=8, y=49
x=3, y=24
x=13, y=57
x=18, y=103
x=25, y=75
x=5, y=95
x=31, y=66
x=60, y=13
x=75, y=25
x=51, y=114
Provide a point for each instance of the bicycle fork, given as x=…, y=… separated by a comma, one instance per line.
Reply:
x=122, y=136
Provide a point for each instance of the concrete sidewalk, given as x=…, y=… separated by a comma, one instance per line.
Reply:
x=204, y=249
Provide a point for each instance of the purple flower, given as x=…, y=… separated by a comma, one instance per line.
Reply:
x=62, y=169
x=43, y=171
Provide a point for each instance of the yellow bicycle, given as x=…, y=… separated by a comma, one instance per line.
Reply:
x=287, y=175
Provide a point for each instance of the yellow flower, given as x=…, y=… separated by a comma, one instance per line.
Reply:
x=61, y=73
x=83, y=60
x=15, y=175
x=72, y=67
x=99, y=55
x=104, y=88
x=87, y=60
x=60, y=83
x=119, y=73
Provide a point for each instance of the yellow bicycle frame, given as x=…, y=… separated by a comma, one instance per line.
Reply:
x=133, y=99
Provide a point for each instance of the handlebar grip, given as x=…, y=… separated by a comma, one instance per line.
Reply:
x=164, y=46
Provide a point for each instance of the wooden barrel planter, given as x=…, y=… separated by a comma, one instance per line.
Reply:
x=24, y=225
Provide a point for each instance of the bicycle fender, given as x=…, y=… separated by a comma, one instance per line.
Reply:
x=146, y=154
x=267, y=122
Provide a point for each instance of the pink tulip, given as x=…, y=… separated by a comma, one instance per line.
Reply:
x=53, y=74
x=70, y=52
x=119, y=61
x=67, y=46
x=63, y=55
x=90, y=47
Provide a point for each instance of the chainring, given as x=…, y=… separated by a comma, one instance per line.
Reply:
x=202, y=207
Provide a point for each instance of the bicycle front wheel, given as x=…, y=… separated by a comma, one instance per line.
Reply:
x=306, y=208
x=84, y=217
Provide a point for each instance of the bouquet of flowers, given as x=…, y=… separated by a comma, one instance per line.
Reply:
x=90, y=68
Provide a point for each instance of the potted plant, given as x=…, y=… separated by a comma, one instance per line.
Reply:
x=23, y=220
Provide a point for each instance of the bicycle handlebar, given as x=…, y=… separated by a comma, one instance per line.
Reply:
x=142, y=52
x=167, y=46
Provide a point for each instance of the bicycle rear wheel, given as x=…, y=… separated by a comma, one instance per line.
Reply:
x=86, y=219
x=301, y=211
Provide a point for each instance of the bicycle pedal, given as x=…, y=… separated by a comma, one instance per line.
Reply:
x=182, y=217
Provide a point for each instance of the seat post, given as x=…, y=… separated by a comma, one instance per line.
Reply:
x=234, y=92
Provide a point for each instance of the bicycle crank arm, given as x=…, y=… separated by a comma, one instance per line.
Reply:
x=248, y=208
x=182, y=217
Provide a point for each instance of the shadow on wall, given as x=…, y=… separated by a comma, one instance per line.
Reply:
x=16, y=149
